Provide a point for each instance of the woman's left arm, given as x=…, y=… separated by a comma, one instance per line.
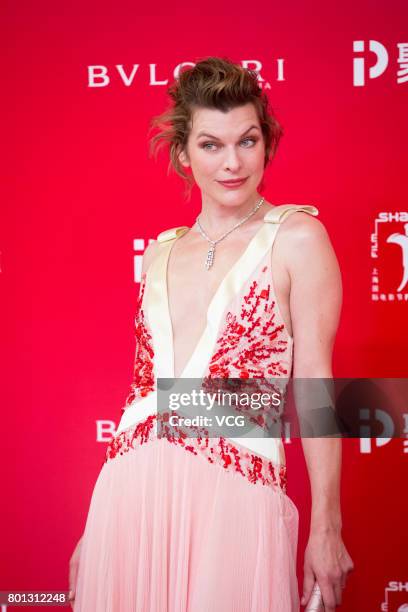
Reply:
x=315, y=306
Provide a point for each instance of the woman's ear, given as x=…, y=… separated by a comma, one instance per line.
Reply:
x=184, y=160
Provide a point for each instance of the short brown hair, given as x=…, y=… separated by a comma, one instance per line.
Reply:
x=218, y=83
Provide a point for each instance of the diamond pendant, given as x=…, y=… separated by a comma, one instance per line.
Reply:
x=210, y=257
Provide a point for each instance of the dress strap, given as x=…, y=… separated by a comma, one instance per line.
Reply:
x=172, y=233
x=278, y=213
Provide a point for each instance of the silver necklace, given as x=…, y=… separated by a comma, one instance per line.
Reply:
x=211, y=251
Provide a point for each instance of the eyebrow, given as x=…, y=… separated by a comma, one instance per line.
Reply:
x=216, y=138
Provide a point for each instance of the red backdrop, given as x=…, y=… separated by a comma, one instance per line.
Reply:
x=79, y=192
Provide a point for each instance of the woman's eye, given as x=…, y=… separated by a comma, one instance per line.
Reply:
x=208, y=145
x=205, y=145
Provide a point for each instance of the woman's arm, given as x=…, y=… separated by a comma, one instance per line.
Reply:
x=315, y=306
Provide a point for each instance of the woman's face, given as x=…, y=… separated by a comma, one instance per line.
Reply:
x=225, y=146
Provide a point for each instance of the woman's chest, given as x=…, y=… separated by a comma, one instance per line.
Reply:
x=191, y=288
x=254, y=309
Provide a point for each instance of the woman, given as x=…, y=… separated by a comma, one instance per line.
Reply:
x=208, y=526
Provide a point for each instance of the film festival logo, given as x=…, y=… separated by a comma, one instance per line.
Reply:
x=363, y=66
x=395, y=597
x=389, y=254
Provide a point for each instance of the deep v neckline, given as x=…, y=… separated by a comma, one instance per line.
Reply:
x=155, y=333
x=230, y=274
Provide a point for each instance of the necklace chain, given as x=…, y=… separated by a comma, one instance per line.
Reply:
x=211, y=251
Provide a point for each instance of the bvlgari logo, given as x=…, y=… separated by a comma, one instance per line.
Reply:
x=389, y=254
x=153, y=75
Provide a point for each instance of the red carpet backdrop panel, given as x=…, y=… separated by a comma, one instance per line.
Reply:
x=82, y=198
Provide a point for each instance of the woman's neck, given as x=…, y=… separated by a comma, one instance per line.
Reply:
x=217, y=218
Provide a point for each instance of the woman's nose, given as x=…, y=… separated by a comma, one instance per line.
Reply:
x=232, y=161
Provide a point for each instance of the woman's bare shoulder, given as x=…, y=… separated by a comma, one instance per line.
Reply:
x=302, y=226
x=303, y=237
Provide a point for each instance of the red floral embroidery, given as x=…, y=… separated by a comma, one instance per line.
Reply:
x=143, y=378
x=250, y=345
x=233, y=458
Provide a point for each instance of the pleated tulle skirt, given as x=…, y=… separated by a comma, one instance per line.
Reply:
x=171, y=530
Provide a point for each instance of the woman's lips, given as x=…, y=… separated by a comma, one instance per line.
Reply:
x=233, y=184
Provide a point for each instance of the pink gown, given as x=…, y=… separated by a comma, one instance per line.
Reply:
x=198, y=524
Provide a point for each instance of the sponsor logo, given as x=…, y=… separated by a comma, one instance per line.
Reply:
x=364, y=68
x=99, y=75
x=139, y=245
